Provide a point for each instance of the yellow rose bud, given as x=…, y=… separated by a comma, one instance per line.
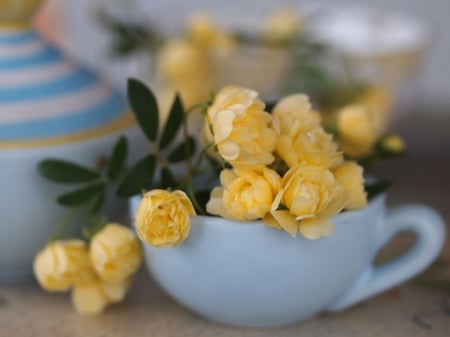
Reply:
x=163, y=218
x=301, y=138
x=115, y=253
x=282, y=25
x=62, y=264
x=90, y=298
x=350, y=175
x=246, y=194
x=357, y=130
x=240, y=128
x=393, y=144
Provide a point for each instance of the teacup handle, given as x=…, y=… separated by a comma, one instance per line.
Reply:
x=429, y=228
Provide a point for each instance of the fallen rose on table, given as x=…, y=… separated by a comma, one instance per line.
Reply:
x=98, y=274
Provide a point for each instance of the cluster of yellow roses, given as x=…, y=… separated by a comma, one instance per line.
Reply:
x=286, y=170
x=185, y=62
x=98, y=275
x=316, y=184
x=362, y=123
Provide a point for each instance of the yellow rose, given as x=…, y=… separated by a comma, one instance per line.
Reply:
x=115, y=253
x=241, y=128
x=185, y=69
x=300, y=135
x=163, y=218
x=361, y=124
x=201, y=29
x=282, y=25
x=205, y=34
x=246, y=194
x=310, y=191
x=61, y=264
x=377, y=100
x=294, y=111
x=350, y=175
x=182, y=62
x=357, y=130
x=312, y=196
x=314, y=147
x=90, y=298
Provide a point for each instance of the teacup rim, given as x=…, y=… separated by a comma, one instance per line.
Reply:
x=340, y=218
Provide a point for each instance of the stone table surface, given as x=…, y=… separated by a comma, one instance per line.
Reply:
x=421, y=307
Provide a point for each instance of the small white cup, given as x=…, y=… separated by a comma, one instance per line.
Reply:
x=250, y=275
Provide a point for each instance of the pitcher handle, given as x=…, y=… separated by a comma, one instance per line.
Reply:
x=429, y=228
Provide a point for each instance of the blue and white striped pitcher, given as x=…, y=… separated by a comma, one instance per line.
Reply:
x=49, y=107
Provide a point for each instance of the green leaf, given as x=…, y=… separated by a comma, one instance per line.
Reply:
x=167, y=178
x=173, y=123
x=377, y=188
x=66, y=172
x=145, y=108
x=138, y=178
x=81, y=196
x=183, y=151
x=117, y=159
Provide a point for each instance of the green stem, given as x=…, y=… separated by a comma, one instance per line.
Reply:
x=63, y=225
x=188, y=164
x=195, y=107
x=202, y=154
x=194, y=200
x=95, y=223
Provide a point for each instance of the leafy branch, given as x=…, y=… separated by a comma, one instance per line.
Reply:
x=92, y=183
x=153, y=170
x=129, y=38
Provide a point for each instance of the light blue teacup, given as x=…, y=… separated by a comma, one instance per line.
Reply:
x=250, y=275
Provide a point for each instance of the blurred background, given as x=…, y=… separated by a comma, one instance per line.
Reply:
x=81, y=35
